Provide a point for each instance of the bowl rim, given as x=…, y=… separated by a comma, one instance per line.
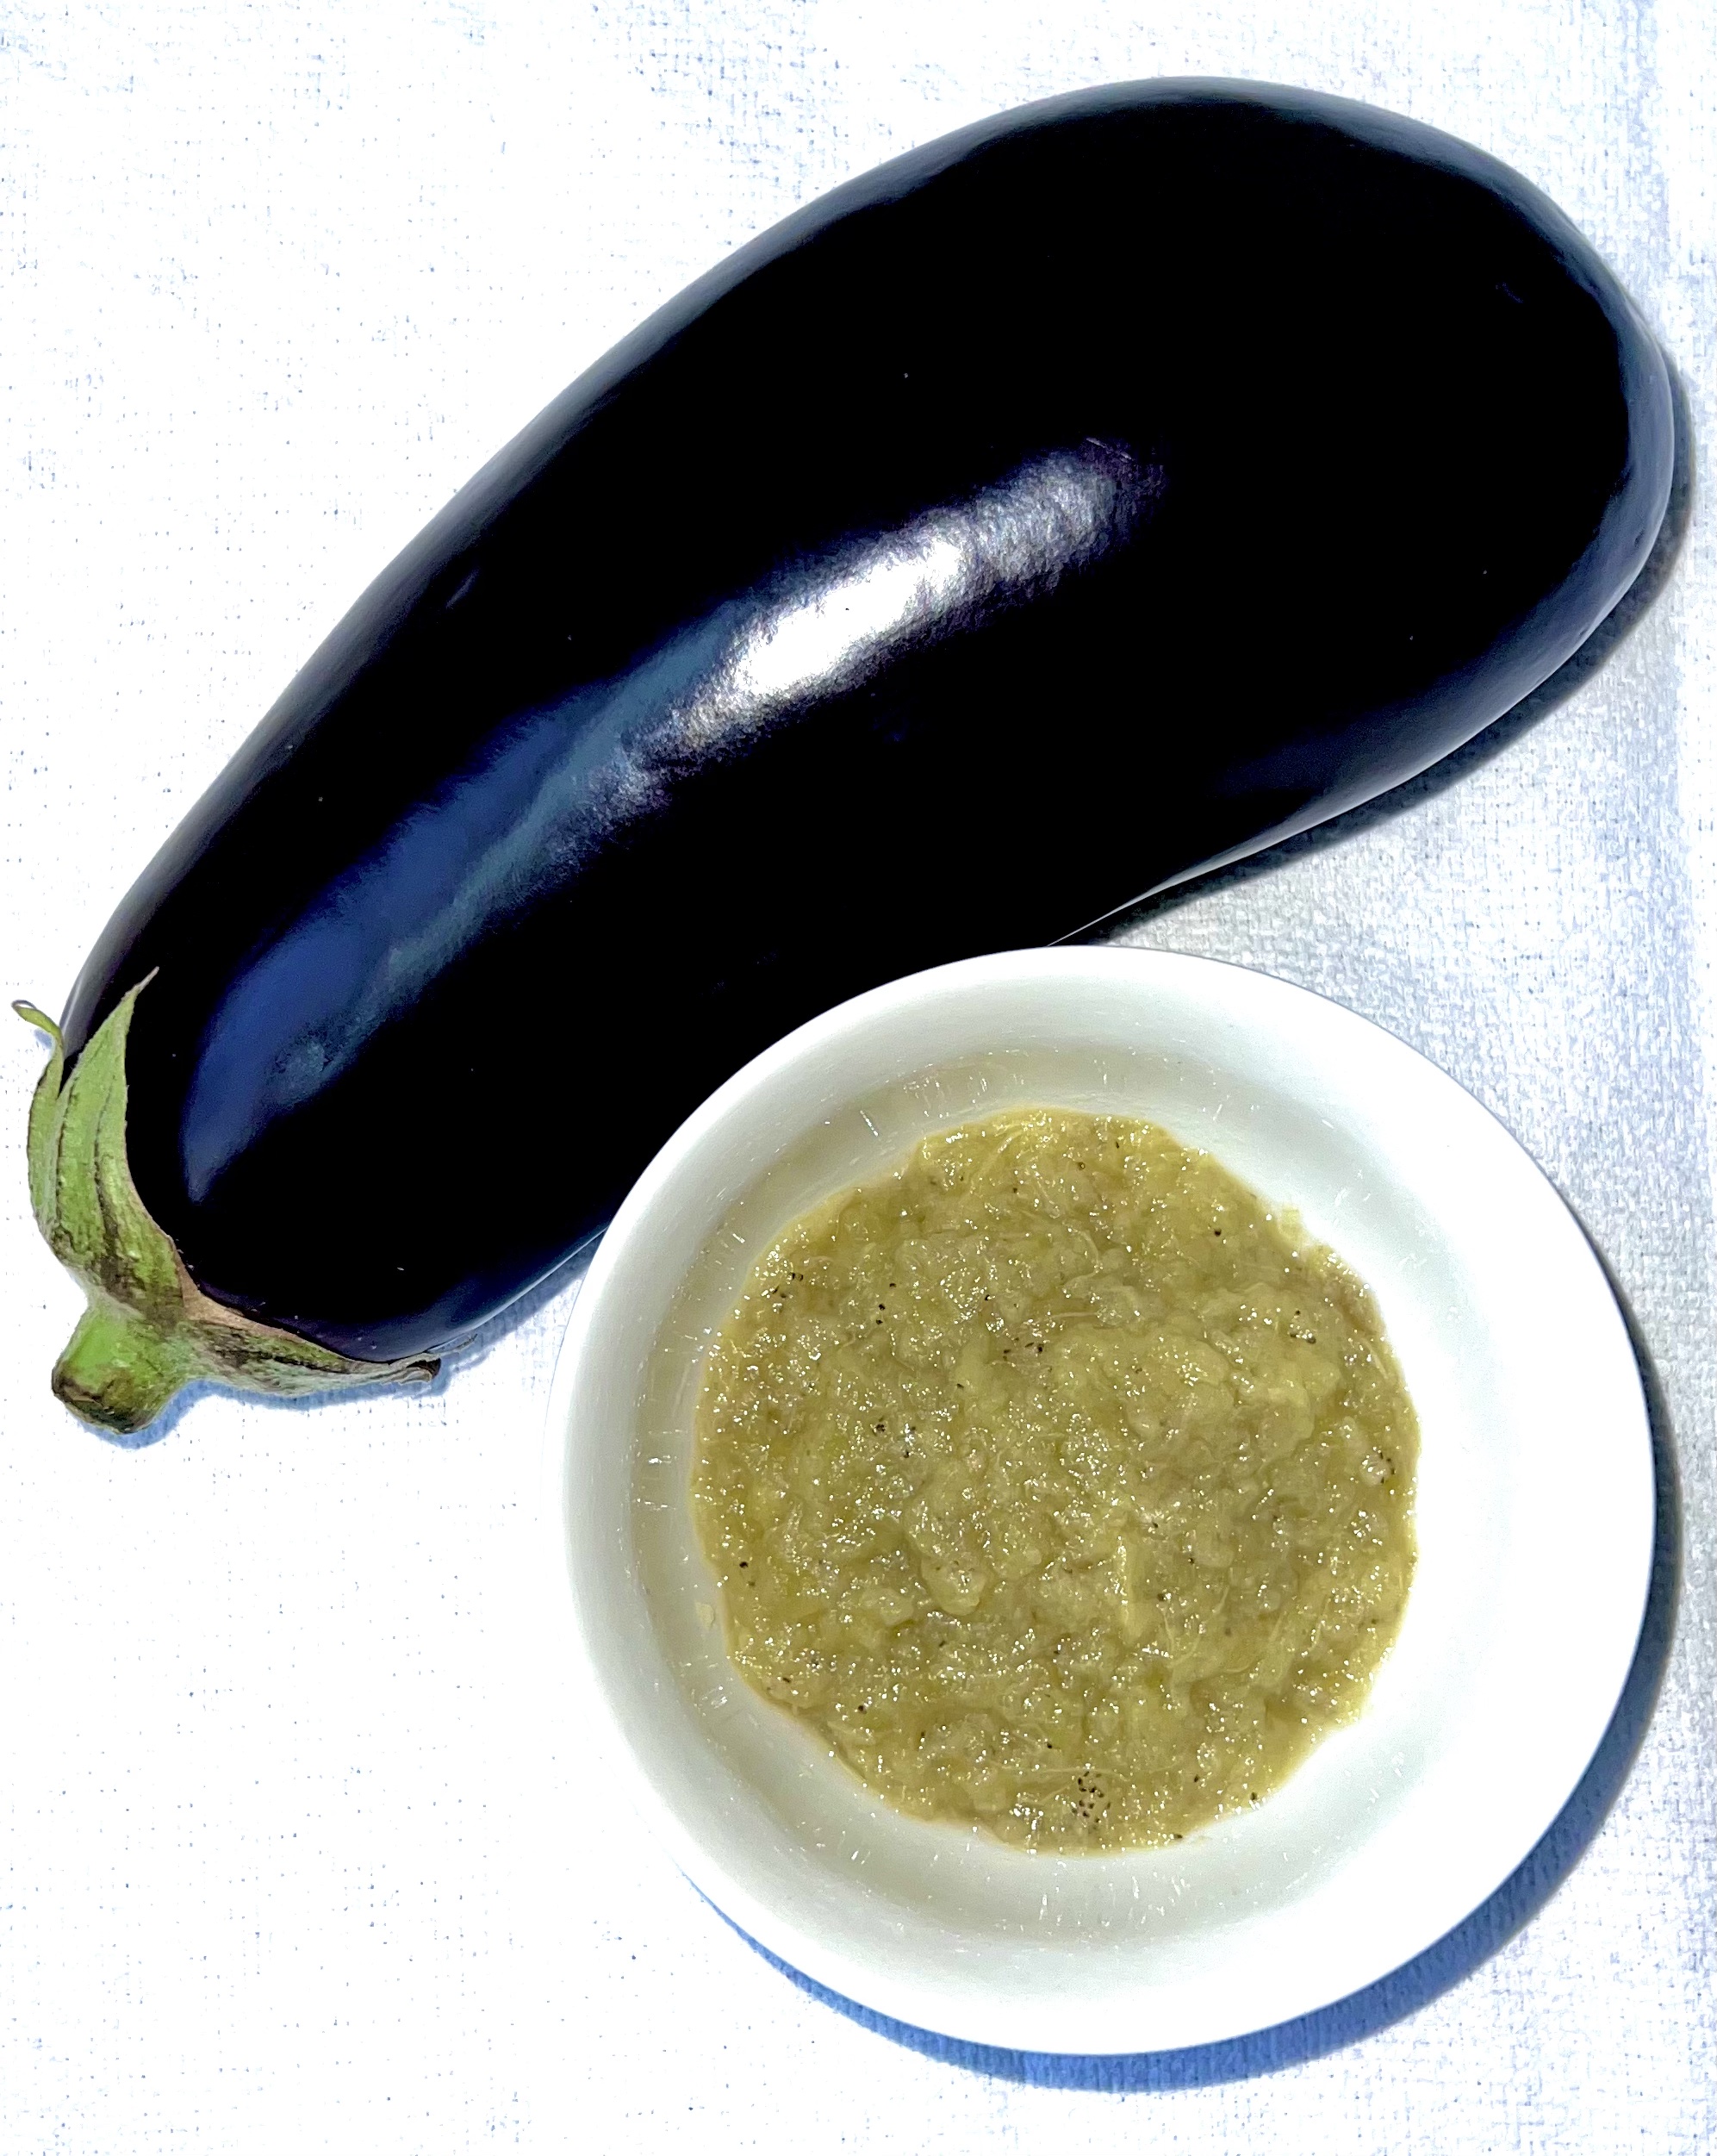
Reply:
x=928, y=2005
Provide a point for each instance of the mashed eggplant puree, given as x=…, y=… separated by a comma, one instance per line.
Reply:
x=1058, y=1482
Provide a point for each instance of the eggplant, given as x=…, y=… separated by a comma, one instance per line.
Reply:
x=1088, y=499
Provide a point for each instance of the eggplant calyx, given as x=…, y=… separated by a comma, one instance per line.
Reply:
x=150, y=1330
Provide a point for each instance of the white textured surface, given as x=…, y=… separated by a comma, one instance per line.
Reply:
x=293, y=1848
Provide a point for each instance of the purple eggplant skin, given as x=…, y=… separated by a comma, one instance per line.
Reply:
x=1094, y=496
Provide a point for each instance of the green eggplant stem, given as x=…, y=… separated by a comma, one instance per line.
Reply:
x=150, y=1330
x=118, y=1371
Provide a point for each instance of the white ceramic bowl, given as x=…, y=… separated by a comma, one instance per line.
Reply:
x=1534, y=1514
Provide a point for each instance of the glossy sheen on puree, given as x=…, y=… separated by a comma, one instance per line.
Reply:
x=1058, y=1482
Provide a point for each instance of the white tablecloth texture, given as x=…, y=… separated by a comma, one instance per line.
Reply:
x=299, y=1846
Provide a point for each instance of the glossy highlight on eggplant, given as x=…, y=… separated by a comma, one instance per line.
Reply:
x=1092, y=496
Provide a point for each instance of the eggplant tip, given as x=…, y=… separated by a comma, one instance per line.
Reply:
x=119, y=1371
x=149, y=1330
